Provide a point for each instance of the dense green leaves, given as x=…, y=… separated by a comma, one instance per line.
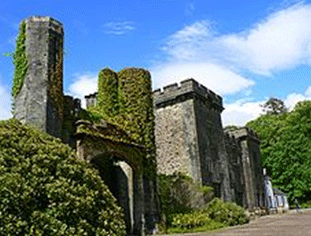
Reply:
x=107, y=99
x=189, y=208
x=125, y=100
x=228, y=213
x=286, y=149
x=45, y=190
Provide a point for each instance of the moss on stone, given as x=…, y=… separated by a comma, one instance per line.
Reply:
x=20, y=60
x=55, y=89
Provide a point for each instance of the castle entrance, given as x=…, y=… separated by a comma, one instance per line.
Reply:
x=119, y=177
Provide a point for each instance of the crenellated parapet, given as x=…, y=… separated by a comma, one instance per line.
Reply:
x=244, y=133
x=189, y=88
x=91, y=100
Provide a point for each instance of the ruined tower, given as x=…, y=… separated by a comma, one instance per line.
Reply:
x=189, y=135
x=38, y=93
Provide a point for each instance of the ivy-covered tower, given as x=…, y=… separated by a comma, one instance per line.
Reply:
x=38, y=77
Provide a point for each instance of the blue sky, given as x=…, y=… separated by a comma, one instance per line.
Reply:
x=246, y=51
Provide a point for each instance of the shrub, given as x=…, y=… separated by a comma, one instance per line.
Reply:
x=226, y=212
x=191, y=220
x=196, y=221
x=46, y=190
x=180, y=194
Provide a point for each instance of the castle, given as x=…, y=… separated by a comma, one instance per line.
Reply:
x=188, y=132
x=190, y=138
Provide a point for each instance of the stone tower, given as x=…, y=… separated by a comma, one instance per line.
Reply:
x=39, y=100
x=250, y=167
x=189, y=135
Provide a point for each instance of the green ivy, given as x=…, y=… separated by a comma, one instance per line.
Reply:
x=55, y=89
x=20, y=61
x=136, y=103
x=46, y=190
x=125, y=100
x=107, y=98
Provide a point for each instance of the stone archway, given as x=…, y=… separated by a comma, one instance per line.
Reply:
x=118, y=175
x=119, y=162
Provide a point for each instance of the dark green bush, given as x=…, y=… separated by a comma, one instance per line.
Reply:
x=180, y=194
x=46, y=190
x=228, y=213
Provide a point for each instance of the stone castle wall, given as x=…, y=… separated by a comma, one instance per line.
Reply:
x=190, y=139
x=189, y=134
x=247, y=148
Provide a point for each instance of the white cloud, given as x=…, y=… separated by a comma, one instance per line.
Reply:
x=281, y=41
x=216, y=77
x=308, y=92
x=119, y=27
x=240, y=112
x=5, y=103
x=83, y=85
x=293, y=98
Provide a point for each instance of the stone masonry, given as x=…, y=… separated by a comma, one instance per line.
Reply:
x=248, y=166
x=189, y=135
x=44, y=49
x=190, y=139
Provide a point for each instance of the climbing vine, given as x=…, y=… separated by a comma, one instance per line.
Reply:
x=55, y=89
x=135, y=101
x=20, y=61
x=125, y=100
x=107, y=98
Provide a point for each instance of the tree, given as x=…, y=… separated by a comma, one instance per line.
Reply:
x=286, y=149
x=46, y=190
x=274, y=106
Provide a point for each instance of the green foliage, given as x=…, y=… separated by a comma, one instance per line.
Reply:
x=8, y=54
x=55, y=89
x=194, y=222
x=180, y=194
x=20, y=61
x=136, y=102
x=191, y=220
x=274, y=106
x=286, y=150
x=227, y=213
x=216, y=214
x=107, y=98
x=125, y=100
x=46, y=190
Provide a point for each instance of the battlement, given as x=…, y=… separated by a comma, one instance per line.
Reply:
x=244, y=132
x=188, y=88
x=91, y=99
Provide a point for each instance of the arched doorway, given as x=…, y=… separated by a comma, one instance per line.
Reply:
x=118, y=175
x=119, y=161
